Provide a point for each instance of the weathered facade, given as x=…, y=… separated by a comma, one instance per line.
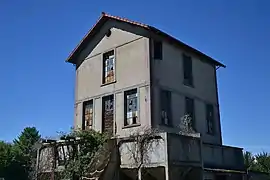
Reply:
x=130, y=75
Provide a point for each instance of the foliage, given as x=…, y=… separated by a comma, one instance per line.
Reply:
x=24, y=149
x=263, y=162
x=259, y=162
x=86, y=156
x=18, y=157
x=249, y=160
x=185, y=125
x=5, y=157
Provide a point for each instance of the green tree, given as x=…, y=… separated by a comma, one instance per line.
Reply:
x=5, y=158
x=9, y=163
x=23, y=149
x=249, y=160
x=263, y=162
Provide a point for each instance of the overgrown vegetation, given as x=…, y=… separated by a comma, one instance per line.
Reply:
x=17, y=158
x=86, y=157
x=258, y=162
x=87, y=152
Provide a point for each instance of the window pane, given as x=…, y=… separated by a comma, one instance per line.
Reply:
x=131, y=110
x=165, y=107
x=108, y=67
x=88, y=114
x=190, y=111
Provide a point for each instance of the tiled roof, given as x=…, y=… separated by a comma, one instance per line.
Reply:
x=104, y=17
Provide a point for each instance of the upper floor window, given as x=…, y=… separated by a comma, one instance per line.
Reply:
x=131, y=107
x=165, y=103
x=187, y=65
x=210, y=118
x=87, y=114
x=158, y=50
x=108, y=67
x=190, y=110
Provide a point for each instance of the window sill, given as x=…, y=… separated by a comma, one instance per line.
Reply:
x=131, y=126
x=105, y=84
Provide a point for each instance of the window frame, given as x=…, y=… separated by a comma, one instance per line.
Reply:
x=103, y=106
x=157, y=50
x=126, y=93
x=104, y=59
x=187, y=70
x=212, y=120
x=85, y=103
x=193, y=115
x=166, y=107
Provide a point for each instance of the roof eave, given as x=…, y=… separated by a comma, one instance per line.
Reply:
x=71, y=58
x=211, y=60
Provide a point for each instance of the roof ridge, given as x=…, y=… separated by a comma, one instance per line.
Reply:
x=124, y=19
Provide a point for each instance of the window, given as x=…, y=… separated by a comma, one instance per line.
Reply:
x=87, y=114
x=187, y=65
x=165, y=107
x=131, y=107
x=190, y=111
x=158, y=50
x=107, y=114
x=108, y=67
x=210, y=118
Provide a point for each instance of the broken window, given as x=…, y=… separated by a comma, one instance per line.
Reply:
x=108, y=113
x=190, y=112
x=210, y=118
x=131, y=107
x=87, y=114
x=165, y=107
x=187, y=65
x=108, y=67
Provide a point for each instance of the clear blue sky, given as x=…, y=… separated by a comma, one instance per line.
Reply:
x=37, y=86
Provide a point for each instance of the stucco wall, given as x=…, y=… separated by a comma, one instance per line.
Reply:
x=184, y=150
x=167, y=74
x=222, y=157
x=155, y=154
x=131, y=68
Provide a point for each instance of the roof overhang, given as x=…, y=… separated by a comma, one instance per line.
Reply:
x=105, y=17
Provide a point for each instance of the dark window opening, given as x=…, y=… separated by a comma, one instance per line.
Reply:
x=108, y=67
x=187, y=65
x=165, y=103
x=158, y=50
x=210, y=118
x=131, y=107
x=87, y=115
x=190, y=110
